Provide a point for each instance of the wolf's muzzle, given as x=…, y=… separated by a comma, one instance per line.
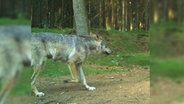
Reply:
x=107, y=51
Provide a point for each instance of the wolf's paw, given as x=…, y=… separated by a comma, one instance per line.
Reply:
x=91, y=88
x=40, y=94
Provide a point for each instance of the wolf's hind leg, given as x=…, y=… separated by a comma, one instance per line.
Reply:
x=82, y=77
x=73, y=73
x=37, y=70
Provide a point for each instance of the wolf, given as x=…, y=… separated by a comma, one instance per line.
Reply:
x=70, y=49
x=12, y=54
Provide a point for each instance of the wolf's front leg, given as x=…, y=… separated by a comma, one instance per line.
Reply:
x=82, y=77
x=34, y=77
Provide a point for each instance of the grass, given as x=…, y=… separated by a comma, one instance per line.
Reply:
x=171, y=68
x=139, y=59
x=23, y=86
x=10, y=21
x=120, y=59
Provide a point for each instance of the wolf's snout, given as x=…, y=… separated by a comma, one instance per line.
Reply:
x=108, y=51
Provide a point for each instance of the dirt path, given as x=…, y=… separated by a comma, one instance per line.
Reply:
x=132, y=87
x=167, y=91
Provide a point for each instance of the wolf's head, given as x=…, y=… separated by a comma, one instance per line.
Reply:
x=101, y=44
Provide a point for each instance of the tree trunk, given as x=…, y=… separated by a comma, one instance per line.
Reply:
x=107, y=15
x=112, y=15
x=81, y=20
x=101, y=14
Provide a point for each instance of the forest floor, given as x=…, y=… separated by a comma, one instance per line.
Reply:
x=166, y=91
x=128, y=87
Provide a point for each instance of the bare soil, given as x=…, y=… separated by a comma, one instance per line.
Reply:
x=131, y=87
x=167, y=91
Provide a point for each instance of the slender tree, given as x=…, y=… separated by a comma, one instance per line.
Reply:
x=81, y=20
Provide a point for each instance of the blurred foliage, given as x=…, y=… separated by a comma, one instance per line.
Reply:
x=167, y=42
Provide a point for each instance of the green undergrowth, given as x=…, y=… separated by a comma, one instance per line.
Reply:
x=167, y=42
x=18, y=21
x=171, y=68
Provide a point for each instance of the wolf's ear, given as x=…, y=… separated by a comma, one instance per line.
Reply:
x=95, y=36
